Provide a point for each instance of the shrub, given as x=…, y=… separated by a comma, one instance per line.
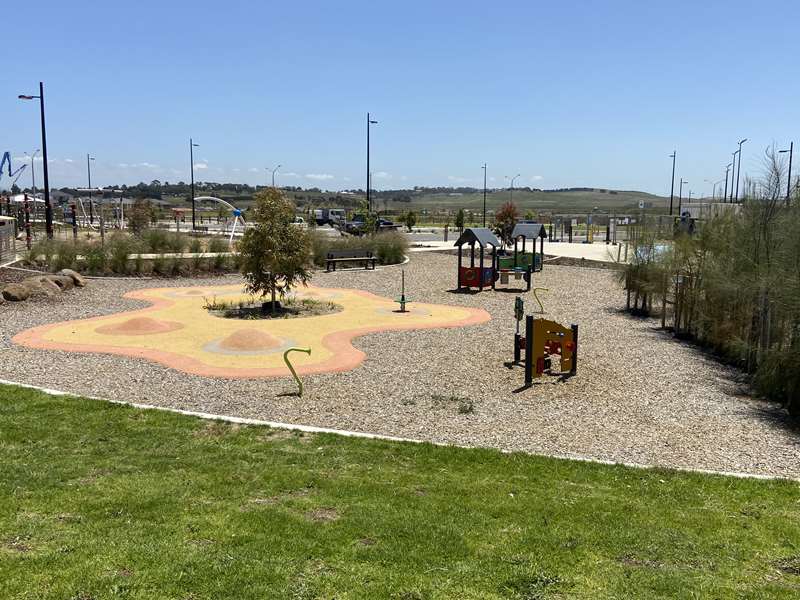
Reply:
x=159, y=265
x=96, y=259
x=66, y=256
x=195, y=245
x=388, y=247
x=217, y=244
x=155, y=240
x=176, y=242
x=119, y=246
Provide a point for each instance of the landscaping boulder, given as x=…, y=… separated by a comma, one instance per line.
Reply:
x=2, y=299
x=41, y=286
x=77, y=278
x=15, y=292
x=62, y=281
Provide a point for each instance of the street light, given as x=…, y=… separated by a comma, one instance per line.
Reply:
x=739, y=168
x=192, y=146
x=725, y=195
x=789, y=182
x=511, y=195
x=680, y=195
x=369, y=201
x=672, y=187
x=484, y=194
x=89, y=173
x=48, y=209
x=733, y=174
x=273, y=173
x=33, y=173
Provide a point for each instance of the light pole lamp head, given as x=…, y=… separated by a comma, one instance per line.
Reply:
x=26, y=97
x=743, y=141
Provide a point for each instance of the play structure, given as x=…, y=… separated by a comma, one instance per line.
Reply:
x=521, y=264
x=480, y=275
x=543, y=340
x=503, y=266
x=6, y=163
x=177, y=331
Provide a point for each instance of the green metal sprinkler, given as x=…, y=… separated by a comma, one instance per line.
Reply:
x=291, y=368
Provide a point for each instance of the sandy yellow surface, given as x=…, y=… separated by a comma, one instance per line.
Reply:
x=178, y=332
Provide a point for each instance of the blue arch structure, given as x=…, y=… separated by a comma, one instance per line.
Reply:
x=18, y=172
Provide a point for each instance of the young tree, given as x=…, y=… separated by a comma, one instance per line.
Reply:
x=140, y=216
x=504, y=221
x=276, y=254
x=409, y=220
x=460, y=221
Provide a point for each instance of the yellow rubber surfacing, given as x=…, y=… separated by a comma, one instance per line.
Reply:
x=178, y=332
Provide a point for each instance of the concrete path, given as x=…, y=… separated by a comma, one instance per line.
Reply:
x=596, y=251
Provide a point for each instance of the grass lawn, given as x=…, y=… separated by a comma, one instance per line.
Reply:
x=105, y=501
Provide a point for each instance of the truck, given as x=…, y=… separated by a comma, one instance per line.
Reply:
x=329, y=216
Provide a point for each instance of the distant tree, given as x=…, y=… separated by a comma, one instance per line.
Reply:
x=529, y=216
x=276, y=254
x=15, y=189
x=409, y=219
x=140, y=216
x=504, y=220
x=460, y=221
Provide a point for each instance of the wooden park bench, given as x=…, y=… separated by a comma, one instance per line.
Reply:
x=345, y=256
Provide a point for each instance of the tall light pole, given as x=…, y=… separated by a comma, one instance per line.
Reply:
x=48, y=209
x=484, y=194
x=739, y=168
x=789, y=182
x=672, y=187
x=725, y=195
x=370, y=122
x=733, y=175
x=33, y=173
x=192, y=146
x=511, y=195
x=89, y=160
x=273, y=173
x=680, y=195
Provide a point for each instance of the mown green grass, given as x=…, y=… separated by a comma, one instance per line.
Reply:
x=105, y=501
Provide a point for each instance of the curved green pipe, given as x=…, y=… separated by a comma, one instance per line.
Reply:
x=291, y=368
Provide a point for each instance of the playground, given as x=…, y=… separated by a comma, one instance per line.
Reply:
x=438, y=373
x=178, y=332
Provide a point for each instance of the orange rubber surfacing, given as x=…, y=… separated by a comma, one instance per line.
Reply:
x=176, y=331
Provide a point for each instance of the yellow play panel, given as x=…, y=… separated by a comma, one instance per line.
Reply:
x=178, y=332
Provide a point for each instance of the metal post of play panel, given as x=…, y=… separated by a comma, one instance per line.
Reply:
x=528, y=350
x=574, y=368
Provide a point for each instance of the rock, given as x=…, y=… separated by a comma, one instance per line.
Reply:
x=41, y=286
x=62, y=281
x=15, y=292
x=2, y=299
x=79, y=279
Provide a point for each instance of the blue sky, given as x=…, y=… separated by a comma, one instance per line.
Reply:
x=564, y=93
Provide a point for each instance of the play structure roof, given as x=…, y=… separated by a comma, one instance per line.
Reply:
x=530, y=230
x=481, y=235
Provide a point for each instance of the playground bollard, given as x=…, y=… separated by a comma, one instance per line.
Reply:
x=291, y=368
x=535, y=295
